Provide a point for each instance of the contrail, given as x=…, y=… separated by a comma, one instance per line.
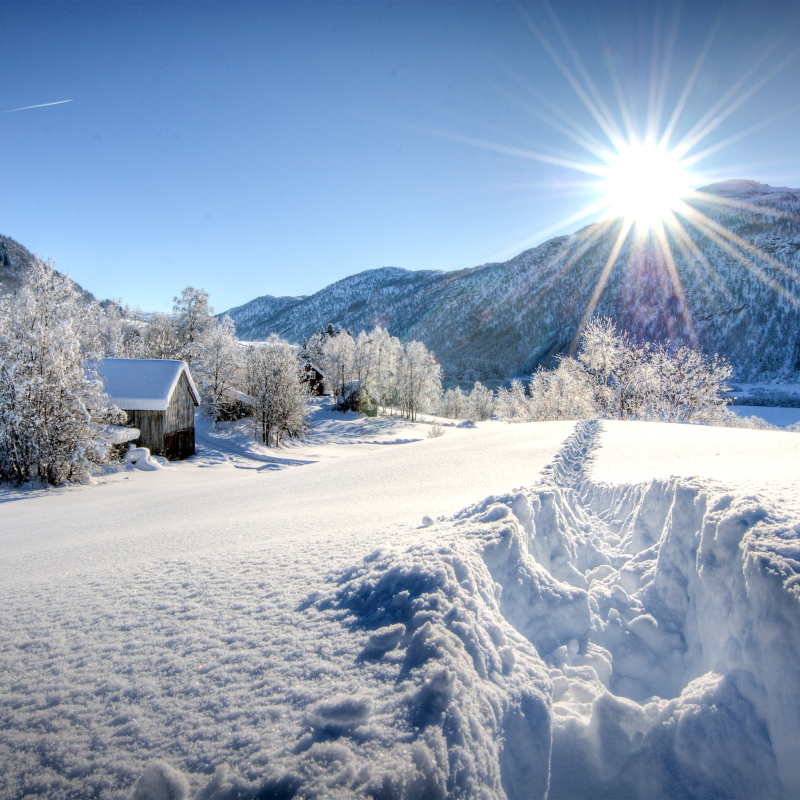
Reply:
x=41, y=105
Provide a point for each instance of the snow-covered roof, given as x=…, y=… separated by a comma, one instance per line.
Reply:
x=309, y=363
x=143, y=384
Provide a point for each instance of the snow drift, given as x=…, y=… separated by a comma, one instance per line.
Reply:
x=581, y=640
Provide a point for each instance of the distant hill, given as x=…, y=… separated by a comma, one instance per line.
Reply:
x=737, y=295
x=15, y=263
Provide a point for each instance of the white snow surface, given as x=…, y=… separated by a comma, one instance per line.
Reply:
x=616, y=616
x=142, y=384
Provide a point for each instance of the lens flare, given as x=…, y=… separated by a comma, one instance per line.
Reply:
x=644, y=184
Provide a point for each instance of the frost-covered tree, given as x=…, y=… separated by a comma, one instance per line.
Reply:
x=193, y=316
x=122, y=331
x=401, y=376
x=280, y=395
x=161, y=339
x=419, y=380
x=480, y=403
x=453, y=404
x=562, y=393
x=684, y=385
x=111, y=326
x=217, y=366
x=338, y=357
x=52, y=405
x=512, y=403
x=389, y=352
x=601, y=354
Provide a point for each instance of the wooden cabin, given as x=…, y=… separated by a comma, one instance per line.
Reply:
x=159, y=397
x=314, y=377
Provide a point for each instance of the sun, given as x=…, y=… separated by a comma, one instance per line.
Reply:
x=644, y=183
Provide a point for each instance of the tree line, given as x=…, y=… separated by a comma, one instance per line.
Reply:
x=56, y=421
x=401, y=377
x=615, y=377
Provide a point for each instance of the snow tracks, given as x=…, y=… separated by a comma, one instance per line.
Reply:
x=576, y=640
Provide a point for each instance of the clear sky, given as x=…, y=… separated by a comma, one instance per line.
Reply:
x=273, y=148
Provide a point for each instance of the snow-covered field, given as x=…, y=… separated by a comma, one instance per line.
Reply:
x=569, y=621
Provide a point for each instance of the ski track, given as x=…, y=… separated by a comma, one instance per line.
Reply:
x=569, y=639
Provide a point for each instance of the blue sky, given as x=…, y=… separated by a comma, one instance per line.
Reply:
x=273, y=148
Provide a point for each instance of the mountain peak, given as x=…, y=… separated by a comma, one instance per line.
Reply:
x=742, y=187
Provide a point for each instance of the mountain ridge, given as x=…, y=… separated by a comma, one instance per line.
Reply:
x=15, y=263
x=494, y=319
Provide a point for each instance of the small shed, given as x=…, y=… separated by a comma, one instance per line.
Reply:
x=159, y=397
x=314, y=377
x=356, y=397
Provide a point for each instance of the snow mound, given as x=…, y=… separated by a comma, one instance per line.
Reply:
x=140, y=458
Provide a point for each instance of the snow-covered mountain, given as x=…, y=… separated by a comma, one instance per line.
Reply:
x=728, y=282
x=15, y=262
x=374, y=297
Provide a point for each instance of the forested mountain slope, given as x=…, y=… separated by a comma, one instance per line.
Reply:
x=728, y=282
x=15, y=263
x=390, y=297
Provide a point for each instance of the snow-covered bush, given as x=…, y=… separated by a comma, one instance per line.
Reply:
x=480, y=403
x=477, y=405
x=683, y=385
x=51, y=402
x=563, y=393
x=512, y=403
x=436, y=430
x=453, y=405
x=727, y=419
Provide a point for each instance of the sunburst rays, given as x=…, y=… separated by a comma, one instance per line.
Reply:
x=621, y=157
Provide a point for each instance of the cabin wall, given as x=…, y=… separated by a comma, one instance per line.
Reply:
x=168, y=433
x=180, y=411
x=151, y=427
